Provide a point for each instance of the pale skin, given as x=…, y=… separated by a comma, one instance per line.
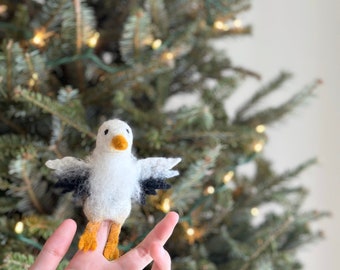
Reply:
x=150, y=249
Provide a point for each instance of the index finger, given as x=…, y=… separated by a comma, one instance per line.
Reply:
x=56, y=246
x=140, y=256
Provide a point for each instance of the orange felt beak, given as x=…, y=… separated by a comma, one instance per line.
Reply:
x=119, y=142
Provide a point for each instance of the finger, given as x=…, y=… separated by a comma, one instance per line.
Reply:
x=93, y=259
x=161, y=258
x=140, y=256
x=56, y=246
x=162, y=230
x=102, y=235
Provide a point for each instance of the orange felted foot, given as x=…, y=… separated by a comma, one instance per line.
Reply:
x=88, y=241
x=111, y=251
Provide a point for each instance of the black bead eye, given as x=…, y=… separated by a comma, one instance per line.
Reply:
x=128, y=131
x=106, y=131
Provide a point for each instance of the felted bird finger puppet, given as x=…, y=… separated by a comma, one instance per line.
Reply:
x=109, y=180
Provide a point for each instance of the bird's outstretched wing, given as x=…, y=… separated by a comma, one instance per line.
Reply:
x=72, y=175
x=154, y=172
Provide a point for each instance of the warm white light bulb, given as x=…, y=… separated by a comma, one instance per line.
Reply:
x=93, y=40
x=210, y=190
x=19, y=227
x=237, y=23
x=156, y=44
x=166, y=205
x=35, y=76
x=190, y=231
x=228, y=176
x=220, y=25
x=254, y=211
x=40, y=35
x=260, y=128
x=38, y=39
x=258, y=147
x=169, y=56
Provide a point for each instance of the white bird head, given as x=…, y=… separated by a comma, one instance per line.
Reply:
x=114, y=136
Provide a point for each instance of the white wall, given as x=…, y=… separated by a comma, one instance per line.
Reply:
x=302, y=37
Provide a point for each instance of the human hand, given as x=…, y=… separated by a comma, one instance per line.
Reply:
x=150, y=249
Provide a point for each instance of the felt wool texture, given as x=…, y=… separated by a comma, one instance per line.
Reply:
x=110, y=179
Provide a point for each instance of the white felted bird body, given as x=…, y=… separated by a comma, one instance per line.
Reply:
x=109, y=180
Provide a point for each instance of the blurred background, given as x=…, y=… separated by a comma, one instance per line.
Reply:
x=130, y=60
x=302, y=37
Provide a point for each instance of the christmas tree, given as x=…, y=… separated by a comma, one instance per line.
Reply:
x=66, y=66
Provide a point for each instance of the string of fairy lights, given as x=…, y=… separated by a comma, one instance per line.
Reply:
x=194, y=233
x=40, y=40
x=225, y=26
x=41, y=35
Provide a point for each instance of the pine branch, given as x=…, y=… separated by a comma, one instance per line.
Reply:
x=34, y=199
x=186, y=194
x=77, y=21
x=300, y=233
x=11, y=124
x=273, y=180
x=136, y=36
x=66, y=114
x=271, y=87
x=159, y=16
x=262, y=248
x=236, y=247
x=52, y=9
x=17, y=261
x=270, y=115
x=246, y=72
x=33, y=74
x=11, y=145
x=79, y=26
x=79, y=44
x=9, y=82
